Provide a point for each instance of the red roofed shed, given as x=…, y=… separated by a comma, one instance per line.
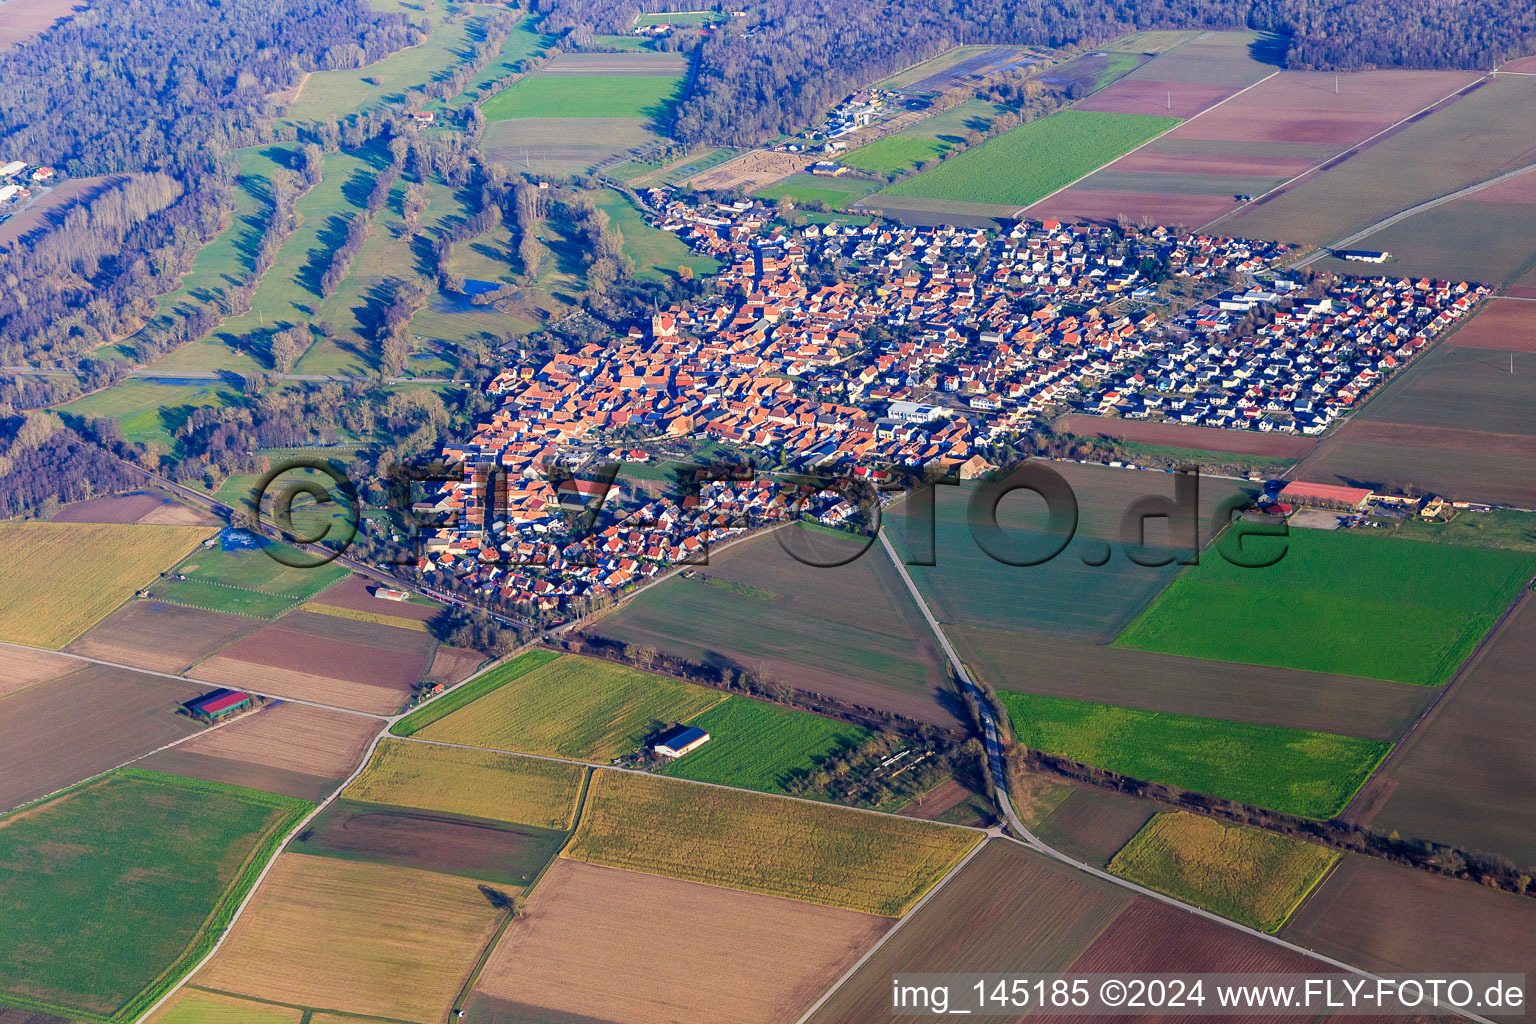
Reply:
x=1300, y=492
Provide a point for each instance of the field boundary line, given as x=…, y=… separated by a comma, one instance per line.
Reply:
x=696, y=782
x=1348, y=154
x=933, y=891
x=1019, y=213
x=198, y=682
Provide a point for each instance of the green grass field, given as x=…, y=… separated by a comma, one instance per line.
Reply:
x=1251, y=876
x=524, y=41
x=805, y=189
x=895, y=154
x=761, y=746
x=473, y=690
x=574, y=707
x=1030, y=162
x=804, y=851
x=657, y=254
x=1357, y=603
x=1311, y=774
x=149, y=411
x=253, y=569
x=110, y=891
x=643, y=96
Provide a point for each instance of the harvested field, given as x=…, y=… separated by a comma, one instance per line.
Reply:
x=293, y=737
x=477, y=783
x=1063, y=596
x=1144, y=96
x=1179, y=435
x=142, y=507
x=1245, y=874
x=1422, y=160
x=1465, y=239
x=452, y=665
x=1466, y=465
x=563, y=145
x=415, y=625
x=577, y=708
x=1093, y=824
x=47, y=600
x=1373, y=604
x=1467, y=776
x=21, y=668
x=319, y=934
x=1317, y=701
x=1503, y=324
x=27, y=18
x=754, y=605
x=1456, y=387
x=191, y=1006
x=1008, y=910
x=744, y=958
x=1311, y=774
x=487, y=851
x=751, y=171
x=1101, y=207
x=817, y=853
x=160, y=637
x=492, y=678
x=293, y=685
x=357, y=593
x=110, y=892
x=57, y=733
x=342, y=629
x=1385, y=917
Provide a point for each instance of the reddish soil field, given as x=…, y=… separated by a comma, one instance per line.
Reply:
x=299, y=685
x=488, y=851
x=116, y=508
x=293, y=737
x=1467, y=775
x=301, y=651
x=1388, y=918
x=160, y=637
x=1137, y=96
x=1503, y=324
x=1519, y=189
x=1009, y=910
x=1104, y=207
x=453, y=664
x=349, y=631
x=356, y=592
x=743, y=959
x=1493, y=468
x=1242, y=442
x=1092, y=824
x=26, y=18
x=941, y=798
x=179, y=761
x=1209, y=163
x=21, y=667
x=1521, y=65
x=1301, y=106
x=57, y=733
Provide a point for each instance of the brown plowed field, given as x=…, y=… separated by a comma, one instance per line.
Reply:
x=356, y=592
x=936, y=801
x=131, y=508
x=1008, y=910
x=59, y=732
x=1467, y=775
x=1316, y=701
x=1154, y=938
x=1519, y=189
x=177, y=761
x=312, y=647
x=452, y=665
x=1097, y=206
x=1178, y=435
x=1463, y=464
x=161, y=637
x=354, y=631
x=1092, y=824
x=752, y=170
x=1504, y=324
x=21, y=667
x=1141, y=96
x=280, y=682
x=1384, y=917
x=361, y=938
x=740, y=959
x=293, y=737
x=1210, y=163
x=1521, y=66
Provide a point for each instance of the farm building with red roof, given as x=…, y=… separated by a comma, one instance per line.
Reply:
x=219, y=704
x=1301, y=492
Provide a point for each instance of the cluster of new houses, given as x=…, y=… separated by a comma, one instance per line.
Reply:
x=932, y=345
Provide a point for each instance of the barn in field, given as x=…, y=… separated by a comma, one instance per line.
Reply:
x=1300, y=492
x=680, y=740
x=220, y=704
